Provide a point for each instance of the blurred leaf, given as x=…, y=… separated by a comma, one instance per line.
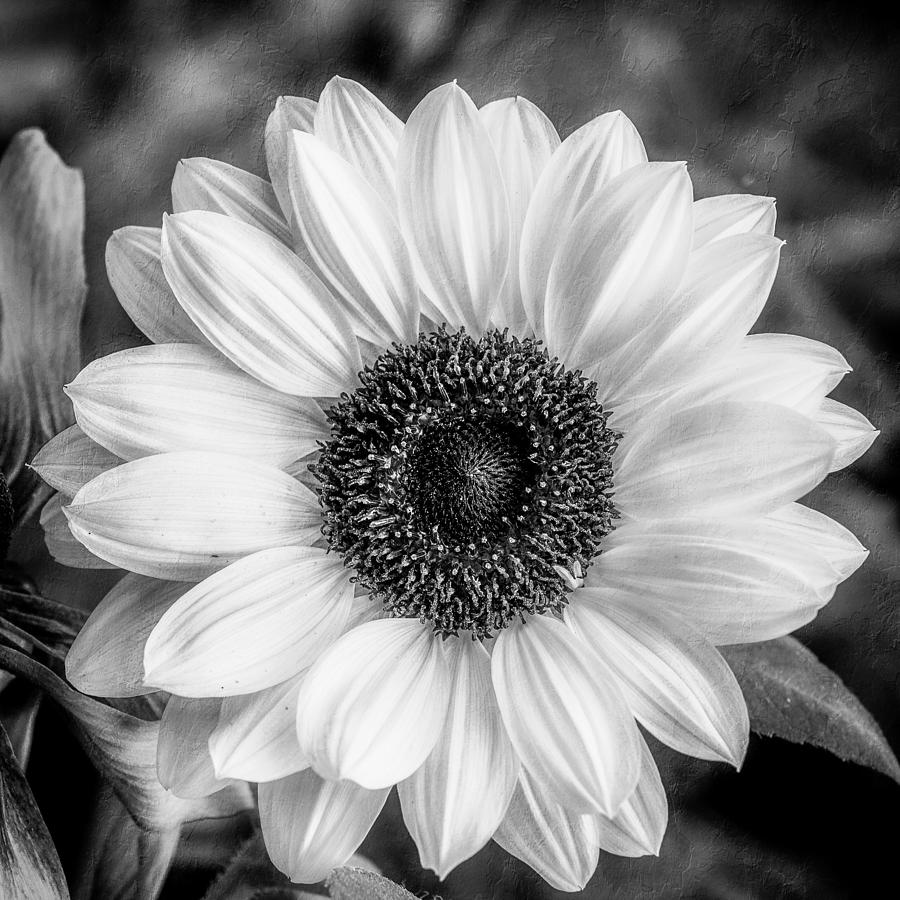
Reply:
x=48, y=620
x=123, y=748
x=360, y=884
x=791, y=695
x=19, y=705
x=42, y=291
x=29, y=866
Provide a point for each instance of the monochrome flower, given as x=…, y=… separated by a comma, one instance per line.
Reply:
x=451, y=463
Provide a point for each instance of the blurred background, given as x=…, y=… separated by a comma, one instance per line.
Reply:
x=800, y=101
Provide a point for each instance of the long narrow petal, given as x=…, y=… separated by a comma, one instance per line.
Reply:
x=107, y=657
x=457, y=799
x=183, y=763
x=565, y=716
x=453, y=206
x=729, y=214
x=256, y=738
x=585, y=162
x=619, y=262
x=71, y=459
x=183, y=516
x=253, y=625
x=677, y=684
x=524, y=139
x=355, y=123
x=61, y=543
x=725, y=458
x=723, y=291
x=354, y=239
x=134, y=269
x=853, y=432
x=372, y=705
x=185, y=397
x=259, y=304
x=561, y=846
x=290, y=114
x=215, y=186
x=640, y=825
x=310, y=825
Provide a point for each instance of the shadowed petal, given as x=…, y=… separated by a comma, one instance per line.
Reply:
x=61, y=543
x=183, y=763
x=730, y=214
x=290, y=114
x=71, y=459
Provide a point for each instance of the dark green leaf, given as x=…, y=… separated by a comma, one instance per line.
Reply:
x=360, y=884
x=29, y=866
x=791, y=695
x=42, y=291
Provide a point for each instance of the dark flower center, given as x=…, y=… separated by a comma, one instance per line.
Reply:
x=462, y=475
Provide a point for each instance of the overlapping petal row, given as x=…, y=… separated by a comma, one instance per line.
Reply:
x=263, y=299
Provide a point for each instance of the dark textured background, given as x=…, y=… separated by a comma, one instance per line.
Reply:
x=796, y=100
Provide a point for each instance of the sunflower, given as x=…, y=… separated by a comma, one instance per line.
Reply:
x=451, y=463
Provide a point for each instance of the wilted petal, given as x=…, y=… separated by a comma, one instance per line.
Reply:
x=135, y=272
x=566, y=717
x=185, y=397
x=183, y=763
x=725, y=458
x=356, y=124
x=852, y=431
x=524, y=140
x=259, y=304
x=71, y=459
x=677, y=684
x=561, y=846
x=353, y=238
x=310, y=825
x=61, y=543
x=453, y=206
x=619, y=262
x=250, y=626
x=729, y=214
x=256, y=738
x=585, y=162
x=372, y=705
x=215, y=186
x=290, y=114
x=457, y=798
x=182, y=516
x=107, y=657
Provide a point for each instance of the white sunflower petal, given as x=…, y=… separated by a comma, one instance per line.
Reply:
x=135, y=272
x=107, y=657
x=290, y=114
x=730, y=214
x=259, y=304
x=215, y=186
x=353, y=122
x=70, y=460
x=186, y=397
x=722, y=459
x=253, y=625
x=62, y=544
x=640, y=825
x=566, y=718
x=353, y=238
x=453, y=207
x=524, y=139
x=585, y=162
x=561, y=846
x=852, y=431
x=372, y=705
x=677, y=684
x=618, y=263
x=183, y=763
x=256, y=738
x=182, y=516
x=311, y=825
x=455, y=801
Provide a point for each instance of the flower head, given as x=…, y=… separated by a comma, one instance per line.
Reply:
x=452, y=462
